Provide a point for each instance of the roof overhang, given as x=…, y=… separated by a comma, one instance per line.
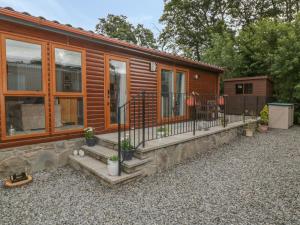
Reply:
x=42, y=24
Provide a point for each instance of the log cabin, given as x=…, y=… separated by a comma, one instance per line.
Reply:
x=57, y=79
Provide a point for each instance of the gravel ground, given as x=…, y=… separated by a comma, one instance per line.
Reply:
x=250, y=181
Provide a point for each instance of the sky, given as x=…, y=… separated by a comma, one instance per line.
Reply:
x=85, y=13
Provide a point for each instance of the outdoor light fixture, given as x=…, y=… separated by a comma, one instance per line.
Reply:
x=153, y=66
x=196, y=76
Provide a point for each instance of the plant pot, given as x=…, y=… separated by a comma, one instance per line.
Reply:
x=248, y=133
x=113, y=168
x=127, y=155
x=160, y=134
x=90, y=142
x=263, y=128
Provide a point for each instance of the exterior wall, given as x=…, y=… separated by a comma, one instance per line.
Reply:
x=207, y=83
x=261, y=87
x=37, y=157
x=140, y=79
x=166, y=157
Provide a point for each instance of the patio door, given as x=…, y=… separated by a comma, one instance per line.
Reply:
x=116, y=88
x=173, y=93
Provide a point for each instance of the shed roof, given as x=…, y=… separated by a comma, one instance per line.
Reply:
x=9, y=14
x=247, y=78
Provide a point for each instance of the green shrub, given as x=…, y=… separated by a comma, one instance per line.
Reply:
x=89, y=133
x=126, y=146
x=114, y=158
x=264, y=115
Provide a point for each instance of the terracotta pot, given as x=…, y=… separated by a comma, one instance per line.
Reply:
x=263, y=128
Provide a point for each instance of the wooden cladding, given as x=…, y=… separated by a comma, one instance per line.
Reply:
x=93, y=80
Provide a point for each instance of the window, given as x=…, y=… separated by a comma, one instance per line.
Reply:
x=25, y=101
x=239, y=89
x=68, y=70
x=24, y=66
x=248, y=88
x=24, y=115
x=244, y=88
x=173, y=93
x=68, y=107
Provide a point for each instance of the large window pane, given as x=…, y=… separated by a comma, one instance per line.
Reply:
x=180, y=94
x=68, y=113
x=24, y=66
x=118, y=89
x=24, y=115
x=167, y=93
x=68, y=70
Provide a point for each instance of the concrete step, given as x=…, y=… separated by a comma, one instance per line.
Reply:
x=106, y=142
x=99, y=169
x=103, y=154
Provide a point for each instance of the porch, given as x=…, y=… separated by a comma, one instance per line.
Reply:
x=160, y=135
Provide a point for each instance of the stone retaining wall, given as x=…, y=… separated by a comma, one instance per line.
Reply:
x=166, y=157
x=37, y=157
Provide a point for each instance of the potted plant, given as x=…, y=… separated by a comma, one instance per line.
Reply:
x=264, y=120
x=113, y=166
x=249, y=130
x=127, y=149
x=89, y=136
x=161, y=132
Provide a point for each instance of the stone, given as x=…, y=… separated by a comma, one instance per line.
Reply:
x=14, y=165
x=45, y=160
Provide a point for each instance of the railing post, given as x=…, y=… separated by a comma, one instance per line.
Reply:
x=224, y=114
x=195, y=111
x=143, y=117
x=244, y=102
x=119, y=139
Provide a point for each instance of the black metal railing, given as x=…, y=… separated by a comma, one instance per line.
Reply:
x=151, y=115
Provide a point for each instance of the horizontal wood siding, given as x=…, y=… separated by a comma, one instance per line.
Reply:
x=140, y=79
x=95, y=89
x=261, y=87
x=207, y=83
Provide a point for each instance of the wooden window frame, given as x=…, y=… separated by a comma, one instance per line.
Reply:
x=54, y=93
x=4, y=92
x=107, y=58
x=174, y=69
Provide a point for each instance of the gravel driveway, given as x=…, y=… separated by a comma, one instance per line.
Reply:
x=250, y=181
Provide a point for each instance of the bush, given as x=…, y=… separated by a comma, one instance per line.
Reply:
x=114, y=158
x=89, y=133
x=264, y=115
x=126, y=146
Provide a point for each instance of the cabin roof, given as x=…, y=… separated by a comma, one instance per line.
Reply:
x=9, y=14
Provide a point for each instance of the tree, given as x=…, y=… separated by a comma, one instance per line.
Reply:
x=119, y=27
x=190, y=25
x=116, y=27
x=145, y=37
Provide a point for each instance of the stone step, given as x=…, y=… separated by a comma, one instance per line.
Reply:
x=103, y=154
x=99, y=169
x=107, y=142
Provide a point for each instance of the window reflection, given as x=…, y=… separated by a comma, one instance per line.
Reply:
x=68, y=70
x=24, y=66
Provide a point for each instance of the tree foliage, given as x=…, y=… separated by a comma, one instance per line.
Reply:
x=119, y=27
x=189, y=25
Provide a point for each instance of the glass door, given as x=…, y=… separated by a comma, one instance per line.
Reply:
x=116, y=87
x=173, y=93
